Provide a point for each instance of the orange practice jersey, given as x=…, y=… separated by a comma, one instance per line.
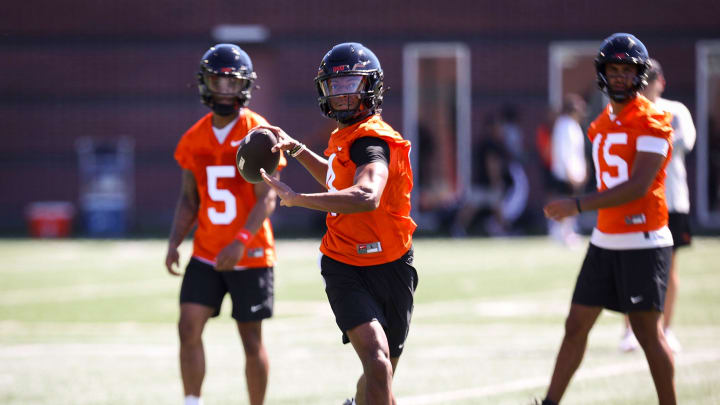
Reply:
x=639, y=127
x=225, y=197
x=384, y=234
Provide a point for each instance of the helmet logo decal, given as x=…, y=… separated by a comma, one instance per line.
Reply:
x=340, y=68
x=226, y=69
x=361, y=65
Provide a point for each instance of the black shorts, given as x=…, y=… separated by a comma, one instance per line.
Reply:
x=679, y=225
x=624, y=280
x=384, y=293
x=251, y=290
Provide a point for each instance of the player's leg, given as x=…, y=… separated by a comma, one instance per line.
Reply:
x=671, y=294
x=257, y=365
x=649, y=333
x=628, y=341
x=192, y=354
x=201, y=295
x=394, y=285
x=594, y=290
x=679, y=224
x=252, y=296
x=371, y=346
x=644, y=275
x=360, y=390
x=579, y=322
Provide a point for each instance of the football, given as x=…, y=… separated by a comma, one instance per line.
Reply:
x=254, y=153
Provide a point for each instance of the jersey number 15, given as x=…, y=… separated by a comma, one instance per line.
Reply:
x=610, y=159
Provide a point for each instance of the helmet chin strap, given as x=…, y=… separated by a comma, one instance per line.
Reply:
x=621, y=96
x=351, y=117
x=225, y=109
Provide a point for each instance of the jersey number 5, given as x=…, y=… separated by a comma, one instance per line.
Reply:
x=611, y=160
x=221, y=195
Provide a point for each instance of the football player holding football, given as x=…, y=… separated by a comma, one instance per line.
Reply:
x=367, y=255
x=628, y=261
x=233, y=248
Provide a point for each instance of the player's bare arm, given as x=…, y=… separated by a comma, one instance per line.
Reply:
x=264, y=206
x=645, y=168
x=315, y=164
x=184, y=219
x=364, y=195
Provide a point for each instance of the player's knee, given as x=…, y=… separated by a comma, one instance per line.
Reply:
x=252, y=347
x=377, y=365
x=575, y=328
x=189, y=332
x=646, y=335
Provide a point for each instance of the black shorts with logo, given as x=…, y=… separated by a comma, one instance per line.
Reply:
x=624, y=280
x=383, y=292
x=251, y=290
x=679, y=225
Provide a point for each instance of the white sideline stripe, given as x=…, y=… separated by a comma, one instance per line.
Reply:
x=528, y=383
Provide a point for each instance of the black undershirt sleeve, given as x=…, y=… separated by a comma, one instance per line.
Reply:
x=369, y=149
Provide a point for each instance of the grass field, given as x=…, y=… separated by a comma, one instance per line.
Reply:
x=93, y=322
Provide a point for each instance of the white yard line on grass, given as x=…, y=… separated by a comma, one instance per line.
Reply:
x=685, y=360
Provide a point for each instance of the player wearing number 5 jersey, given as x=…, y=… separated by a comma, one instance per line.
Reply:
x=628, y=260
x=367, y=261
x=233, y=247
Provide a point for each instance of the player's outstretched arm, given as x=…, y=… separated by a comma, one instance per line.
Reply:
x=183, y=221
x=645, y=168
x=363, y=196
x=315, y=164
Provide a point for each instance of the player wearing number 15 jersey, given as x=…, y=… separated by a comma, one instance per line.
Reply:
x=233, y=248
x=627, y=263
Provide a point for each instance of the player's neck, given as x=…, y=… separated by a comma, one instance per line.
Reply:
x=618, y=107
x=221, y=121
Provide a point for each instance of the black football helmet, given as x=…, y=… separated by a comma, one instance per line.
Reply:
x=225, y=71
x=622, y=48
x=352, y=72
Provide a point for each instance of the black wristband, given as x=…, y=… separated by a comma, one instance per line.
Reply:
x=577, y=204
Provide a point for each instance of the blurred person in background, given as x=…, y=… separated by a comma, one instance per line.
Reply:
x=367, y=253
x=234, y=247
x=676, y=194
x=489, y=181
x=511, y=132
x=627, y=264
x=569, y=168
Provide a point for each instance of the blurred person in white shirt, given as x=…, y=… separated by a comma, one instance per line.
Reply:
x=676, y=194
x=569, y=166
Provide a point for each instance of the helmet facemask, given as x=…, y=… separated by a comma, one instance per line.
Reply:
x=225, y=79
x=639, y=81
x=225, y=94
x=345, y=96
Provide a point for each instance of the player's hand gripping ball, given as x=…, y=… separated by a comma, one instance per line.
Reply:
x=254, y=153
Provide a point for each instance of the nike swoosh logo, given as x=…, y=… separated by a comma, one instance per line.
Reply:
x=255, y=308
x=636, y=299
x=235, y=143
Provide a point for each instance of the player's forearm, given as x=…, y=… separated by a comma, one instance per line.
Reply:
x=315, y=164
x=262, y=210
x=621, y=194
x=348, y=201
x=183, y=221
